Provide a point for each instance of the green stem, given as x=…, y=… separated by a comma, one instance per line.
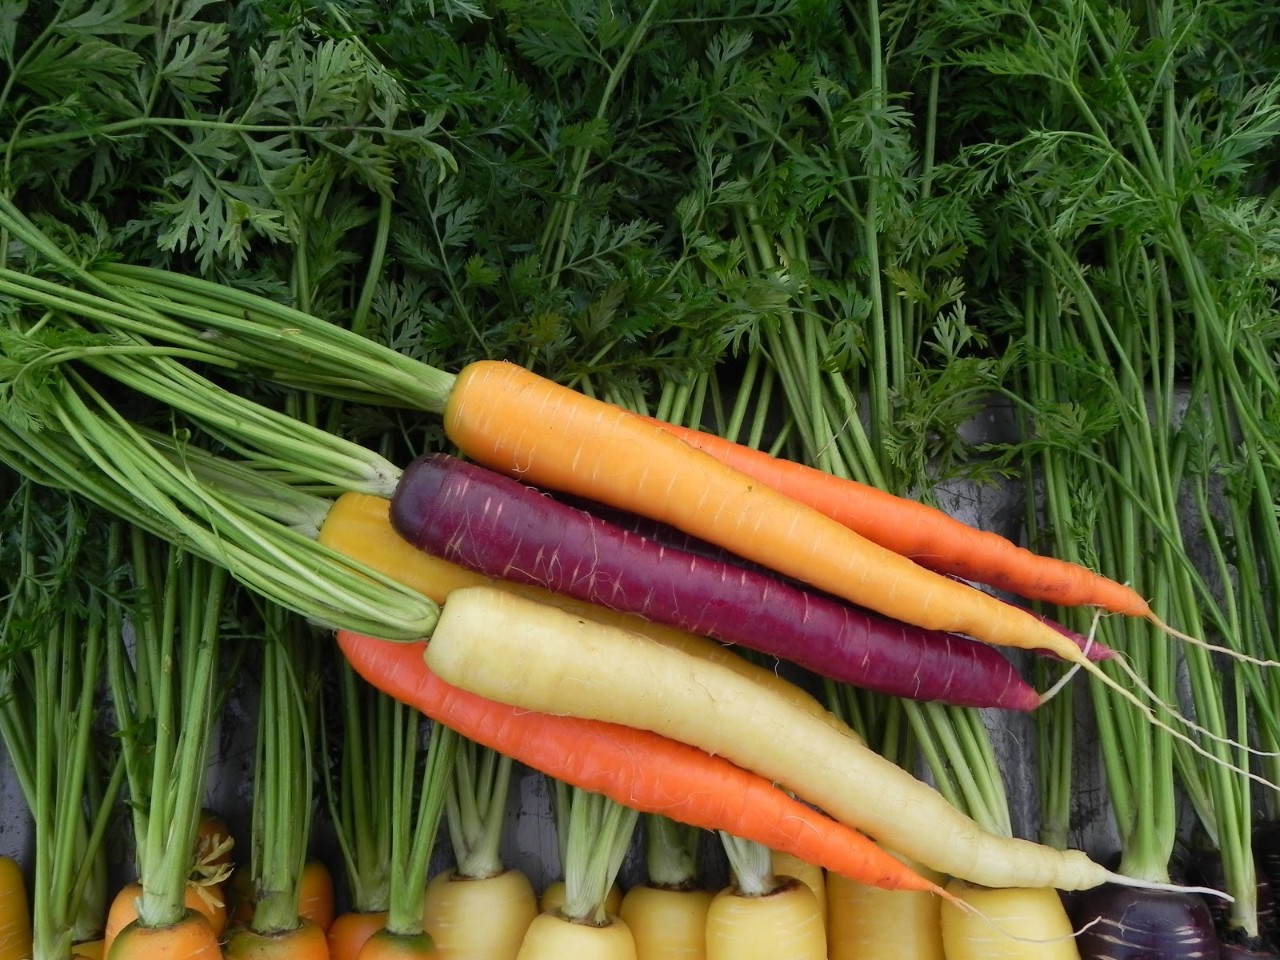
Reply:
x=751, y=865
x=414, y=834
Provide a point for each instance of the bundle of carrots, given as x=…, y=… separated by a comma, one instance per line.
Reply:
x=563, y=662
x=662, y=709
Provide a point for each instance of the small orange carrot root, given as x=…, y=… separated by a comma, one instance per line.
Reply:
x=316, y=894
x=385, y=945
x=349, y=931
x=304, y=942
x=191, y=937
x=123, y=910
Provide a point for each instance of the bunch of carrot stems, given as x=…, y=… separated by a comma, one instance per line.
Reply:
x=53, y=640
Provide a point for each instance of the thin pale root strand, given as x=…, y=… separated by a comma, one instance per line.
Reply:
x=1211, y=647
x=1123, y=664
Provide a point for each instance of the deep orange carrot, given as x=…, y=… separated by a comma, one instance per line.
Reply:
x=349, y=931
x=123, y=909
x=316, y=894
x=514, y=421
x=643, y=770
x=385, y=945
x=304, y=942
x=190, y=937
x=930, y=537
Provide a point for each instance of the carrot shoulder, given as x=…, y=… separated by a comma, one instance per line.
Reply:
x=932, y=538
x=638, y=768
x=514, y=421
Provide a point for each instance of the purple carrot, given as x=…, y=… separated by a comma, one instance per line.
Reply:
x=1123, y=923
x=492, y=524
x=677, y=539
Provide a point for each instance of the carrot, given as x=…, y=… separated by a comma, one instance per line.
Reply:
x=550, y=938
x=189, y=937
x=388, y=945
x=359, y=527
x=781, y=923
x=514, y=421
x=667, y=923
x=316, y=893
x=867, y=923
x=649, y=772
x=811, y=875
x=929, y=536
x=760, y=915
x=306, y=941
x=667, y=913
x=349, y=931
x=552, y=898
x=481, y=908
x=538, y=658
x=15, y=912
x=124, y=909
x=479, y=918
x=491, y=523
x=214, y=844
x=1016, y=924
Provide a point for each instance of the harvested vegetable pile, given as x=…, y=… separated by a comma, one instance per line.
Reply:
x=590, y=392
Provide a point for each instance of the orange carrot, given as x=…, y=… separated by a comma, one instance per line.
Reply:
x=198, y=899
x=303, y=942
x=514, y=421
x=349, y=931
x=385, y=945
x=316, y=894
x=927, y=535
x=643, y=770
x=191, y=937
x=15, y=912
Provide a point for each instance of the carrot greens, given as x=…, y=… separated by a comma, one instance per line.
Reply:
x=283, y=773
x=53, y=637
x=419, y=802
x=476, y=808
x=594, y=834
x=360, y=806
x=162, y=663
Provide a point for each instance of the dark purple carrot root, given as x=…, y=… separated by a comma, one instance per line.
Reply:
x=492, y=524
x=1127, y=923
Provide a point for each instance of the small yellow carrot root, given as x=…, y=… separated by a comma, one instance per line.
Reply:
x=870, y=923
x=667, y=924
x=551, y=937
x=783, y=923
x=1026, y=923
x=552, y=898
x=479, y=918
